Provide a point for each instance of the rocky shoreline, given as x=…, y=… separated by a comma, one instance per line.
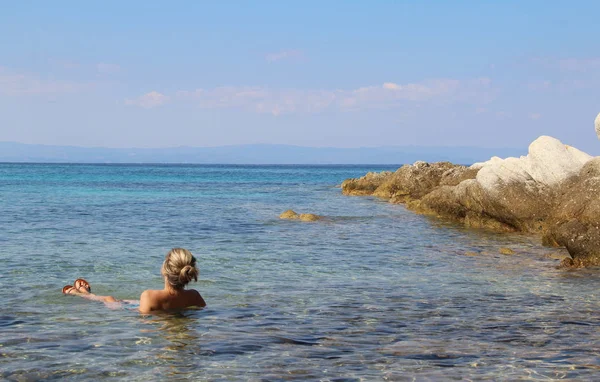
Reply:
x=553, y=191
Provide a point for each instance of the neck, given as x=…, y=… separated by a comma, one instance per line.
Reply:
x=169, y=288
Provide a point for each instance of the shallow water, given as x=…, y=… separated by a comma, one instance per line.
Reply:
x=373, y=292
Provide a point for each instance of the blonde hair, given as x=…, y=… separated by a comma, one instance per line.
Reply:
x=179, y=268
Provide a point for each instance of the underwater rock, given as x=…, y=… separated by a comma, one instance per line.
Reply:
x=506, y=251
x=557, y=256
x=309, y=217
x=289, y=214
x=292, y=215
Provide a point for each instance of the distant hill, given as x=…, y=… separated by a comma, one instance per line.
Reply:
x=249, y=154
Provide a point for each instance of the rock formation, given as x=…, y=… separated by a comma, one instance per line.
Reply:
x=597, y=123
x=553, y=191
x=575, y=222
x=365, y=185
x=510, y=194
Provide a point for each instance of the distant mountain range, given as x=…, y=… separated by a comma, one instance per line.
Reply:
x=250, y=154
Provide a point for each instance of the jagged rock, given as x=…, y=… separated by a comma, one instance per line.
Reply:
x=409, y=181
x=365, y=185
x=516, y=194
x=413, y=181
x=455, y=175
x=575, y=223
x=469, y=203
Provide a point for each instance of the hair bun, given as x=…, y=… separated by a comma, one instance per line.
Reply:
x=188, y=273
x=179, y=268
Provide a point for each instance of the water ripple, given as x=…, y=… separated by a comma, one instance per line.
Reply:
x=373, y=292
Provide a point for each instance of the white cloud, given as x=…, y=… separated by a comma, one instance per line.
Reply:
x=386, y=96
x=104, y=68
x=579, y=64
x=391, y=93
x=391, y=86
x=148, y=100
x=260, y=100
x=283, y=55
x=13, y=83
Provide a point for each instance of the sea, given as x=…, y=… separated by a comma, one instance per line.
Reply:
x=371, y=292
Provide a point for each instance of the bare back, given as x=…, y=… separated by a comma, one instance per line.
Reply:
x=157, y=300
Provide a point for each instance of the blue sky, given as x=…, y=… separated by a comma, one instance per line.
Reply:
x=309, y=73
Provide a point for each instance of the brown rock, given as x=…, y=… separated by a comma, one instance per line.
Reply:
x=506, y=251
x=292, y=215
x=557, y=256
x=575, y=223
x=409, y=181
x=309, y=217
x=468, y=203
x=413, y=181
x=365, y=185
x=289, y=214
x=457, y=174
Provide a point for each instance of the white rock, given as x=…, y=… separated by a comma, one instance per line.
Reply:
x=549, y=162
x=479, y=165
x=598, y=125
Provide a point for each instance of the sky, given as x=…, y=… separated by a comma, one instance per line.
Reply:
x=309, y=73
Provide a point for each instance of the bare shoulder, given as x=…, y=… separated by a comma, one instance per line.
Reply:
x=149, y=294
x=148, y=300
x=195, y=298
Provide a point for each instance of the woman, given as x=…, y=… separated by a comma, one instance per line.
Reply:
x=178, y=269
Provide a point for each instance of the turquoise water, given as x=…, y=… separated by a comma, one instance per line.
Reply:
x=373, y=292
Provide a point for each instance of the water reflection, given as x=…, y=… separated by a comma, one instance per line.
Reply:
x=170, y=343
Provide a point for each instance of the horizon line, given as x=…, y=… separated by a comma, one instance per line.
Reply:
x=204, y=164
x=260, y=144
